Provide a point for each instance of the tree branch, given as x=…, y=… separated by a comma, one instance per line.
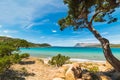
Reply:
x=91, y=20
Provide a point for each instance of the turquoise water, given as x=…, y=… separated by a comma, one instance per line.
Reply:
x=73, y=52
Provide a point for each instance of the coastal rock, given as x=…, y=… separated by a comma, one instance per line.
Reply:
x=77, y=70
x=62, y=70
x=79, y=79
x=87, y=45
x=69, y=75
x=76, y=65
x=116, y=76
x=73, y=72
x=102, y=68
x=86, y=76
x=58, y=79
x=103, y=77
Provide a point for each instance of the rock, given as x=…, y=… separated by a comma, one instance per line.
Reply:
x=86, y=76
x=75, y=65
x=116, y=76
x=58, y=79
x=103, y=77
x=77, y=70
x=79, y=79
x=70, y=74
x=102, y=68
x=61, y=71
x=60, y=75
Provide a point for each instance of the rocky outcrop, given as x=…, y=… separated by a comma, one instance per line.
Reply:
x=58, y=79
x=75, y=71
x=87, y=45
x=116, y=76
x=69, y=75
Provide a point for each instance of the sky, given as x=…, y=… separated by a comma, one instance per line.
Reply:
x=36, y=21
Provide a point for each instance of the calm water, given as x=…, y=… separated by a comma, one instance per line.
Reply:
x=73, y=52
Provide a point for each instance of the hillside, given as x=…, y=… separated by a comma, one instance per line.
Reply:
x=94, y=45
x=22, y=41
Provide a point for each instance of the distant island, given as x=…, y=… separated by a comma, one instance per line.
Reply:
x=93, y=45
x=30, y=44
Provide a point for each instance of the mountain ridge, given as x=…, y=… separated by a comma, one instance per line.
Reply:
x=94, y=45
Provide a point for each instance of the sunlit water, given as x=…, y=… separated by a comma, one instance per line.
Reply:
x=73, y=52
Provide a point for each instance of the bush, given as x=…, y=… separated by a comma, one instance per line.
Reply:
x=8, y=55
x=15, y=58
x=25, y=55
x=94, y=69
x=58, y=60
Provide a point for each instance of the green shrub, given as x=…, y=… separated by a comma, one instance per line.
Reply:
x=23, y=69
x=8, y=55
x=94, y=69
x=4, y=63
x=24, y=55
x=15, y=58
x=58, y=60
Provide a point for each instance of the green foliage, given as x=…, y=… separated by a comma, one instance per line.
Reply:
x=58, y=60
x=4, y=63
x=23, y=69
x=8, y=47
x=6, y=50
x=94, y=69
x=15, y=58
x=15, y=42
x=25, y=55
x=80, y=12
x=91, y=67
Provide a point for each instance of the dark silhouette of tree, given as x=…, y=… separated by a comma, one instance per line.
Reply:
x=82, y=14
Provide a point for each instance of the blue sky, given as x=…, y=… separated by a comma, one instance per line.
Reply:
x=36, y=21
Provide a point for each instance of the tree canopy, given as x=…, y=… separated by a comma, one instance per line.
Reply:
x=81, y=12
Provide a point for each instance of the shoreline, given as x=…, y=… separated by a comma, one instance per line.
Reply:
x=72, y=60
x=39, y=67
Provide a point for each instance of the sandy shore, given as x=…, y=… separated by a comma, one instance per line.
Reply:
x=41, y=70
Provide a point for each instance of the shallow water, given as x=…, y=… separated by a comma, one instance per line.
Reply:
x=87, y=53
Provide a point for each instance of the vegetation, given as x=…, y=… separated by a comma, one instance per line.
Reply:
x=20, y=42
x=59, y=60
x=25, y=55
x=8, y=52
x=82, y=14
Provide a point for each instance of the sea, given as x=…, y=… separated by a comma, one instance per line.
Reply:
x=75, y=53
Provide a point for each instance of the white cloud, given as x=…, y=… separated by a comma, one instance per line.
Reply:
x=9, y=31
x=6, y=35
x=37, y=23
x=29, y=26
x=25, y=11
x=54, y=31
x=104, y=33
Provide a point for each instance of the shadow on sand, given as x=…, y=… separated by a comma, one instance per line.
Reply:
x=26, y=62
x=15, y=75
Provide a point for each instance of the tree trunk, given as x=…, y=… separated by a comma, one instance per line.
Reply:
x=106, y=49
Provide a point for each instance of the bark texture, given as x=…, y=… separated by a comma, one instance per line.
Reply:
x=106, y=49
